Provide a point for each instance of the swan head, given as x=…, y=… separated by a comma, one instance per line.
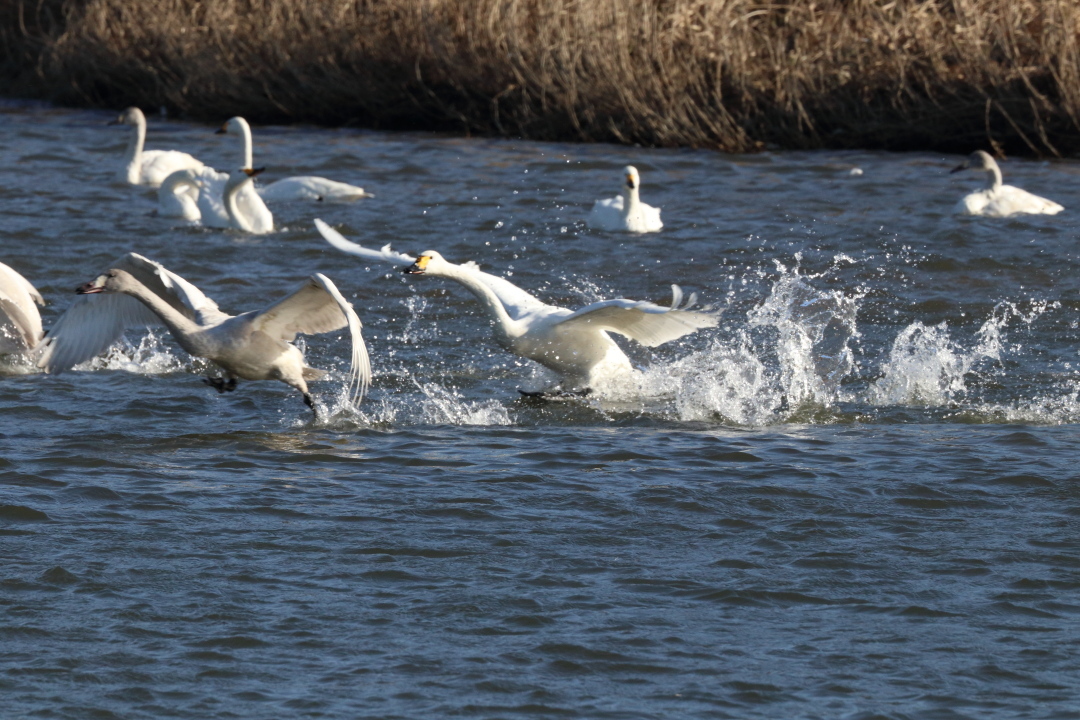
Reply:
x=131, y=116
x=113, y=281
x=236, y=126
x=429, y=261
x=241, y=176
x=978, y=160
x=631, y=177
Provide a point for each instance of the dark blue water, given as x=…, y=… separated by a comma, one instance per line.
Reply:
x=856, y=498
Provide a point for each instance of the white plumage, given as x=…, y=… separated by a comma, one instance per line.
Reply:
x=625, y=211
x=20, y=321
x=137, y=292
x=997, y=200
x=148, y=167
x=574, y=344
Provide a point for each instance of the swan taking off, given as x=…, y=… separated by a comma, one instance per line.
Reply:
x=300, y=187
x=148, y=167
x=626, y=211
x=998, y=200
x=137, y=292
x=574, y=344
x=20, y=322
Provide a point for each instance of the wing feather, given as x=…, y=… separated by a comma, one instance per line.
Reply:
x=643, y=321
x=318, y=307
x=338, y=240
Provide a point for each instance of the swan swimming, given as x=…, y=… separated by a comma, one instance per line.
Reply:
x=148, y=167
x=299, y=187
x=626, y=211
x=240, y=217
x=20, y=321
x=998, y=200
x=574, y=344
x=138, y=292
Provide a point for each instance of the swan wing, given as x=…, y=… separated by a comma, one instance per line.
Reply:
x=307, y=187
x=20, y=324
x=11, y=282
x=171, y=288
x=316, y=307
x=338, y=240
x=90, y=326
x=643, y=321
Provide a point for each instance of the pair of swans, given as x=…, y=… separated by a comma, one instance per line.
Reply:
x=138, y=292
x=20, y=321
x=574, y=344
x=216, y=200
x=626, y=211
x=997, y=200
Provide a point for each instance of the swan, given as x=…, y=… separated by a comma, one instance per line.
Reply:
x=300, y=187
x=574, y=344
x=20, y=322
x=148, y=167
x=999, y=200
x=238, y=214
x=626, y=211
x=138, y=292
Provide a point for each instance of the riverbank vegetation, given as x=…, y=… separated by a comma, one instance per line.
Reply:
x=736, y=75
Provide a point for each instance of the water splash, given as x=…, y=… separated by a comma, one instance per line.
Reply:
x=151, y=356
x=794, y=353
x=927, y=367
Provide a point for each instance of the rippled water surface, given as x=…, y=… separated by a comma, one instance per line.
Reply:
x=855, y=498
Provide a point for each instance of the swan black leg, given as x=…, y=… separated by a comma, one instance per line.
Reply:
x=221, y=384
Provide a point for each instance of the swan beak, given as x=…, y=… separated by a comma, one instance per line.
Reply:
x=958, y=168
x=417, y=268
x=97, y=285
x=222, y=130
x=630, y=181
x=252, y=172
x=116, y=121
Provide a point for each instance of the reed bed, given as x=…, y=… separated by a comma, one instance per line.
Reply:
x=736, y=75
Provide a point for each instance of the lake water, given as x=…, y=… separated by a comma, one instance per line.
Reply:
x=856, y=498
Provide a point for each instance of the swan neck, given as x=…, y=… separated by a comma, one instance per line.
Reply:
x=631, y=200
x=995, y=177
x=483, y=293
x=236, y=218
x=134, y=151
x=249, y=161
x=179, y=324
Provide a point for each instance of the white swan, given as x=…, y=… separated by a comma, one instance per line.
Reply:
x=626, y=211
x=300, y=187
x=148, y=167
x=574, y=344
x=238, y=186
x=20, y=321
x=137, y=292
x=998, y=200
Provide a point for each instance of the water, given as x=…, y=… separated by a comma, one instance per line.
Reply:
x=856, y=498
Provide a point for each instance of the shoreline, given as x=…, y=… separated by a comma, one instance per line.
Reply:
x=733, y=76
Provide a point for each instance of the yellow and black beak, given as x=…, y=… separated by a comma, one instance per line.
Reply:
x=252, y=172
x=417, y=268
x=630, y=181
x=93, y=287
x=222, y=130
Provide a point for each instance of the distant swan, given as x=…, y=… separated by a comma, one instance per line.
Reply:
x=574, y=344
x=999, y=200
x=20, y=321
x=148, y=167
x=300, y=187
x=137, y=292
x=240, y=218
x=626, y=211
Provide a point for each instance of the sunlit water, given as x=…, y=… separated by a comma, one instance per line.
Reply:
x=855, y=498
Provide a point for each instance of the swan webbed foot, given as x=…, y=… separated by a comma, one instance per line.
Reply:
x=221, y=384
x=309, y=401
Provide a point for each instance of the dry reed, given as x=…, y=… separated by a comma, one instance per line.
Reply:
x=729, y=74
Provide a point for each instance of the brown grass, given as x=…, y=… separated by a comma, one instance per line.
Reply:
x=729, y=74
